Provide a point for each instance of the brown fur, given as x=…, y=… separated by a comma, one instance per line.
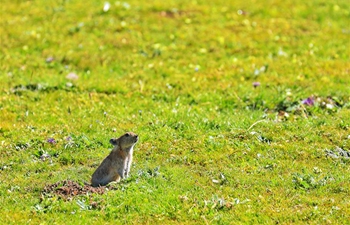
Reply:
x=116, y=165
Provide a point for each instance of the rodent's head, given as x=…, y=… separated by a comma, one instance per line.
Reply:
x=125, y=141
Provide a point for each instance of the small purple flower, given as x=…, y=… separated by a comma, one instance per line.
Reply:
x=72, y=76
x=50, y=59
x=309, y=101
x=256, y=84
x=51, y=141
x=69, y=138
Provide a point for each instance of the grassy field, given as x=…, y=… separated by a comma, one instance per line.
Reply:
x=236, y=104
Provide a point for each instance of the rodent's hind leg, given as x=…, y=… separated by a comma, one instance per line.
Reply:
x=116, y=178
x=121, y=173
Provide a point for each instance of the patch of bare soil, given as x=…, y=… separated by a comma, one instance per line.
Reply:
x=68, y=189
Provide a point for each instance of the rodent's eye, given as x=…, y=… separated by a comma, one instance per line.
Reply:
x=127, y=135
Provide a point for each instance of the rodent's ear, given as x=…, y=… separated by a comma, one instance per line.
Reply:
x=114, y=141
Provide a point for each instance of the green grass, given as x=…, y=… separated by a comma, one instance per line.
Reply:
x=213, y=149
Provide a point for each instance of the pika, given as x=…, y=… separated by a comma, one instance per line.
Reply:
x=116, y=165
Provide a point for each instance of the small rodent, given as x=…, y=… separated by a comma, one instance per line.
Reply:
x=117, y=164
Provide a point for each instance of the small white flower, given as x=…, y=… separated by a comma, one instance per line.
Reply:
x=329, y=106
x=106, y=6
x=126, y=5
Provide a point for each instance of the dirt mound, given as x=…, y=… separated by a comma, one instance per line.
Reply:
x=68, y=189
